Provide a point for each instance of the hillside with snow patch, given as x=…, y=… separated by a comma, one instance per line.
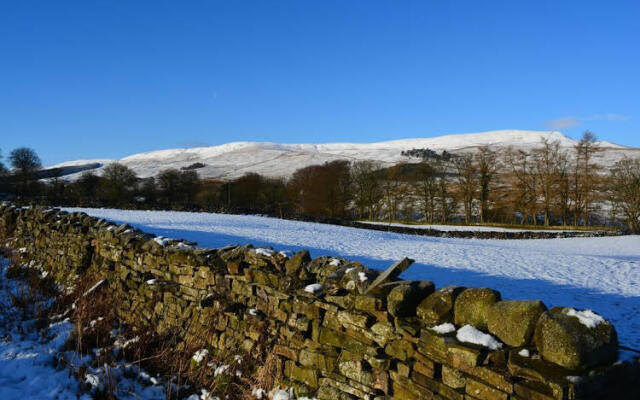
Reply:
x=235, y=159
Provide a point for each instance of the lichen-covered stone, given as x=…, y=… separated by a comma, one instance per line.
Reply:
x=553, y=376
x=351, y=318
x=346, y=387
x=437, y=308
x=323, y=361
x=296, y=372
x=472, y=307
x=353, y=277
x=464, y=356
x=400, y=349
x=514, y=321
x=346, y=301
x=453, y=377
x=483, y=392
x=404, y=298
x=435, y=346
x=327, y=392
x=367, y=303
x=564, y=340
x=297, y=262
x=382, y=333
x=354, y=370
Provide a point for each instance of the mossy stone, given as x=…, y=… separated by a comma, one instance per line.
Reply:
x=472, y=307
x=404, y=298
x=564, y=340
x=297, y=262
x=400, y=349
x=437, y=308
x=514, y=321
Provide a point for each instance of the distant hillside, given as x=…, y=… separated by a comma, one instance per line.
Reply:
x=235, y=159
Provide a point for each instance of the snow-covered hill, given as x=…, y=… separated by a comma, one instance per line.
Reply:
x=234, y=159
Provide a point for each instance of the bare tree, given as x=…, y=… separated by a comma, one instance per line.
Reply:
x=393, y=189
x=624, y=189
x=367, y=187
x=25, y=160
x=168, y=183
x=189, y=186
x=85, y=188
x=147, y=192
x=2, y=167
x=546, y=168
x=563, y=197
x=25, y=163
x=585, y=176
x=487, y=165
x=3, y=173
x=466, y=182
x=523, y=196
x=446, y=202
x=118, y=184
x=426, y=189
x=322, y=190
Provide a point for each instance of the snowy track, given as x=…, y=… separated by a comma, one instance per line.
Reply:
x=602, y=274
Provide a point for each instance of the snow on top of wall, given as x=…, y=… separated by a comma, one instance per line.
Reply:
x=443, y=329
x=313, y=288
x=586, y=317
x=469, y=334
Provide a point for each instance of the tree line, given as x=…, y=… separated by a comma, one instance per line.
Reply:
x=547, y=186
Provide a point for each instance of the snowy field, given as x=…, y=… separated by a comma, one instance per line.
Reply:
x=459, y=228
x=602, y=274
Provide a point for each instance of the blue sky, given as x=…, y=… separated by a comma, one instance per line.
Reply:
x=91, y=79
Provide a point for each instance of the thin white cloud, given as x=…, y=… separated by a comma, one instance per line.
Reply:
x=607, y=117
x=570, y=122
x=562, y=123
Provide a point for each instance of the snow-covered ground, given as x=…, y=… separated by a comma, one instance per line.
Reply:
x=602, y=274
x=26, y=360
x=463, y=228
x=28, y=357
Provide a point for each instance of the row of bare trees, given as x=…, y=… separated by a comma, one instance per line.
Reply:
x=553, y=182
x=548, y=185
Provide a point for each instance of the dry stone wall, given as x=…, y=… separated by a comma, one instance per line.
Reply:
x=476, y=234
x=339, y=330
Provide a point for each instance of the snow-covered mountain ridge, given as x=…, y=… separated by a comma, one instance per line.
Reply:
x=234, y=159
